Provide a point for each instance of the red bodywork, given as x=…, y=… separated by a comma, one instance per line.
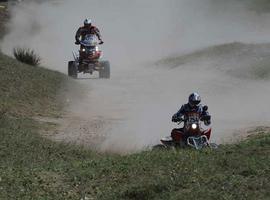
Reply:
x=178, y=135
x=182, y=133
x=93, y=56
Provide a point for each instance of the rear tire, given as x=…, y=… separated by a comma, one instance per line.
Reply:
x=105, y=72
x=72, y=69
x=159, y=147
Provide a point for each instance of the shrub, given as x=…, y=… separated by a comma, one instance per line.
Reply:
x=26, y=55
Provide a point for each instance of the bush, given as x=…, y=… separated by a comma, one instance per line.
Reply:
x=26, y=55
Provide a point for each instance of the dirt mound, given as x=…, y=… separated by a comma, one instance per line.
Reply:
x=237, y=59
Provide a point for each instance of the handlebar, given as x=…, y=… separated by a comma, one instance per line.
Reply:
x=82, y=43
x=203, y=118
x=179, y=121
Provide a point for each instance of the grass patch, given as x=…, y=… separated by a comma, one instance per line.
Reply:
x=33, y=167
x=262, y=71
x=26, y=90
x=27, y=56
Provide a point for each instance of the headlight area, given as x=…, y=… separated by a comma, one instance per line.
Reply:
x=194, y=126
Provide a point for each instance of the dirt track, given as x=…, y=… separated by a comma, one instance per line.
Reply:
x=133, y=109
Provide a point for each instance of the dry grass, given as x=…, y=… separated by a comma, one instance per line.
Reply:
x=27, y=56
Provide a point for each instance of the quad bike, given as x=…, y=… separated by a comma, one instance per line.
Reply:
x=191, y=135
x=88, y=59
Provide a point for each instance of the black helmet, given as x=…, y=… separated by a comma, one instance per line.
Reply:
x=194, y=99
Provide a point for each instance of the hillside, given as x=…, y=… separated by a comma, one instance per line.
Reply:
x=27, y=90
x=33, y=167
x=240, y=60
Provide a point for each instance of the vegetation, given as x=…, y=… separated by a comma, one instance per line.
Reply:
x=26, y=90
x=33, y=167
x=259, y=6
x=27, y=56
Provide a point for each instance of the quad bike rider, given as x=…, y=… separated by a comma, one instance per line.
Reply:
x=85, y=30
x=192, y=133
x=88, y=59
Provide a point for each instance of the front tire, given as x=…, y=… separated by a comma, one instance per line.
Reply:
x=105, y=72
x=213, y=145
x=72, y=69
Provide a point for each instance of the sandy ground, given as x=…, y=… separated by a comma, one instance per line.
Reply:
x=133, y=109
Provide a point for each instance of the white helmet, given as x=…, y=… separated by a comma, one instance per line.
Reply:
x=87, y=22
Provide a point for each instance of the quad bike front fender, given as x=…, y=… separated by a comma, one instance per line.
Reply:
x=207, y=133
x=177, y=135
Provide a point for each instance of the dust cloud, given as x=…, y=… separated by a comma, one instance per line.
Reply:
x=133, y=109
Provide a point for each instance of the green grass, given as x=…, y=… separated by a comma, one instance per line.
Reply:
x=27, y=90
x=261, y=71
x=33, y=167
